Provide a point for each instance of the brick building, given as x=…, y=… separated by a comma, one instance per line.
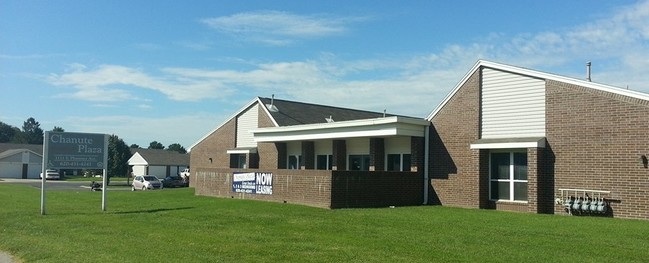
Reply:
x=505, y=138
x=511, y=138
x=312, y=154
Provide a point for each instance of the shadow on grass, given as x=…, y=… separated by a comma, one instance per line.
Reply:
x=153, y=210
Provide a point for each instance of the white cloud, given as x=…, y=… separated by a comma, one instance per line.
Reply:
x=279, y=28
x=617, y=45
x=114, y=83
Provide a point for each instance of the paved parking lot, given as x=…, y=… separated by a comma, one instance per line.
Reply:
x=56, y=185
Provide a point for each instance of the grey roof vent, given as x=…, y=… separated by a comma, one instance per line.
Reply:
x=271, y=107
x=330, y=119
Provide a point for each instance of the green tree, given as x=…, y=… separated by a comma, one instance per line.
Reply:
x=118, y=155
x=7, y=132
x=134, y=146
x=156, y=145
x=58, y=129
x=32, y=132
x=176, y=147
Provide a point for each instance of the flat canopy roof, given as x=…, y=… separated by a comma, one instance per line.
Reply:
x=509, y=143
x=376, y=127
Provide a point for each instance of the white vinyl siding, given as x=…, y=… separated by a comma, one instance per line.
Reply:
x=513, y=106
x=358, y=146
x=246, y=122
x=397, y=145
x=323, y=147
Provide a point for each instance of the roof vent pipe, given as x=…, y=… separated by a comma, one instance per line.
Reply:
x=588, y=70
x=271, y=107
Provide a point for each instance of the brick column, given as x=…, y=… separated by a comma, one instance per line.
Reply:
x=308, y=155
x=377, y=154
x=483, y=179
x=281, y=155
x=533, y=191
x=339, y=155
x=417, y=154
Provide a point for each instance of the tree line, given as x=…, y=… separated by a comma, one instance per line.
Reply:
x=118, y=151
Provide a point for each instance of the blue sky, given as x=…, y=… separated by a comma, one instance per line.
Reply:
x=172, y=71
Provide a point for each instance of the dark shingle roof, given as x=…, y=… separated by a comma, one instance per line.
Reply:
x=297, y=113
x=37, y=148
x=162, y=157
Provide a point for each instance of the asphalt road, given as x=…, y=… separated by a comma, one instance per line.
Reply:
x=55, y=185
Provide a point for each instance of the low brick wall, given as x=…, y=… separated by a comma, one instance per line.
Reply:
x=316, y=187
x=376, y=189
x=307, y=187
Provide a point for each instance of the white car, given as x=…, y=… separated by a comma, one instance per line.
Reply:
x=146, y=182
x=51, y=174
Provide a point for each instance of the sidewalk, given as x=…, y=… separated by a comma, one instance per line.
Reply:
x=6, y=258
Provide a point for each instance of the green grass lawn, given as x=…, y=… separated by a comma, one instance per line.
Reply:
x=174, y=225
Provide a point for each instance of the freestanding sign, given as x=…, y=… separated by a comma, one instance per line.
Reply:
x=67, y=150
x=76, y=150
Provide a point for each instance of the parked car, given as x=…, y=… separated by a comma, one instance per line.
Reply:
x=173, y=181
x=51, y=174
x=146, y=182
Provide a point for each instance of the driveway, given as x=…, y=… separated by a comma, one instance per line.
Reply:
x=56, y=185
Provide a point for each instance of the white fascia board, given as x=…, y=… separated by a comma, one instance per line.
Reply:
x=540, y=75
x=389, y=126
x=509, y=145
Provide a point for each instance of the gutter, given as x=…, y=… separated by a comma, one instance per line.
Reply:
x=426, y=159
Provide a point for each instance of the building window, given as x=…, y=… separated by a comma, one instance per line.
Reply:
x=294, y=162
x=238, y=161
x=398, y=162
x=324, y=162
x=359, y=162
x=508, y=176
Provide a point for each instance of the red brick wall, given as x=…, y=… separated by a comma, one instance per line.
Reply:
x=454, y=169
x=597, y=141
x=315, y=187
x=376, y=189
x=268, y=152
x=307, y=187
x=215, y=147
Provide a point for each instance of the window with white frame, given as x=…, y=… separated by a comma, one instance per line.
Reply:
x=398, y=162
x=508, y=176
x=294, y=162
x=324, y=161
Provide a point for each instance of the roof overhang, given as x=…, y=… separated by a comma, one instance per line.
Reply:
x=377, y=127
x=509, y=143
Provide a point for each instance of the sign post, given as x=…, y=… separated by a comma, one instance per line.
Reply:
x=67, y=150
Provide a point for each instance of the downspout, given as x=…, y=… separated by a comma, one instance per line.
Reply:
x=426, y=157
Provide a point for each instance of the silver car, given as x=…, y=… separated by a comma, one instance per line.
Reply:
x=146, y=182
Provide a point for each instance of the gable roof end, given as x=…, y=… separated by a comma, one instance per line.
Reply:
x=237, y=113
x=536, y=74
